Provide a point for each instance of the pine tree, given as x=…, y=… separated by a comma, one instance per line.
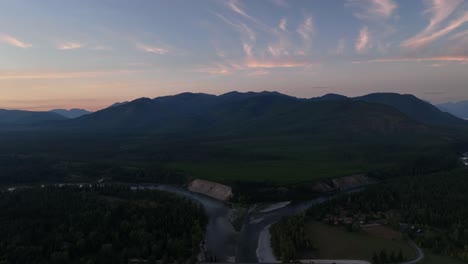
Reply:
x=383, y=256
x=375, y=258
x=400, y=257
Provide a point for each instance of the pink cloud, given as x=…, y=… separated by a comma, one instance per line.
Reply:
x=70, y=45
x=363, y=41
x=152, y=49
x=440, y=10
x=282, y=24
x=14, y=41
x=373, y=9
x=421, y=59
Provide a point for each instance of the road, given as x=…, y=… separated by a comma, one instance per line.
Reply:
x=419, y=253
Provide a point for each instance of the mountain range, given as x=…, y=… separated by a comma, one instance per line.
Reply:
x=238, y=113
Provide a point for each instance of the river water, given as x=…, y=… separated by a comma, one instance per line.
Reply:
x=222, y=242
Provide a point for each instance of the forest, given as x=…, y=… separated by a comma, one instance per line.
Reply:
x=288, y=237
x=98, y=225
x=430, y=209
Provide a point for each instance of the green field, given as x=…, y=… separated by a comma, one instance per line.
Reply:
x=292, y=160
x=336, y=243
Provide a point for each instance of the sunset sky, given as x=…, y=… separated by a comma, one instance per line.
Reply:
x=91, y=53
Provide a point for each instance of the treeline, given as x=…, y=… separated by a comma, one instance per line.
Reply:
x=100, y=225
x=430, y=208
x=266, y=192
x=383, y=257
x=288, y=237
x=26, y=169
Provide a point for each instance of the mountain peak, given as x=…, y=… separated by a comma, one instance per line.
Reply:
x=71, y=113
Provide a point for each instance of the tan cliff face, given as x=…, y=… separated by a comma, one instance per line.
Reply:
x=215, y=190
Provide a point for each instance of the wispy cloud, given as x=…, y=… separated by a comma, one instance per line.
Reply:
x=5, y=38
x=242, y=28
x=460, y=35
x=306, y=28
x=70, y=45
x=363, y=41
x=24, y=75
x=248, y=50
x=236, y=7
x=282, y=24
x=420, y=59
x=270, y=64
x=373, y=9
x=258, y=72
x=252, y=66
x=440, y=11
x=152, y=49
x=340, y=47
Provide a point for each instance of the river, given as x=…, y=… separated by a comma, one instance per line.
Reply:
x=223, y=243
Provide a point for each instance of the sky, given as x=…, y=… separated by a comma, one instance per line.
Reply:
x=92, y=53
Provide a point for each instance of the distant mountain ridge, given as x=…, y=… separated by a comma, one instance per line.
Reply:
x=459, y=109
x=19, y=117
x=71, y=113
x=268, y=112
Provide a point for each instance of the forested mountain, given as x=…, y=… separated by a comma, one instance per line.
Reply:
x=414, y=107
x=247, y=113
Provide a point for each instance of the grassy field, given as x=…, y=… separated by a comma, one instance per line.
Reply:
x=336, y=243
x=434, y=259
x=289, y=161
x=287, y=171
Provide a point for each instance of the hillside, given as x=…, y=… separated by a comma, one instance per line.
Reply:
x=415, y=108
x=247, y=114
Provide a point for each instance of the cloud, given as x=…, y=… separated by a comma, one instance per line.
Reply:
x=70, y=45
x=242, y=28
x=248, y=50
x=235, y=6
x=14, y=41
x=460, y=35
x=440, y=10
x=306, y=29
x=373, y=9
x=251, y=66
x=282, y=24
x=270, y=64
x=340, y=47
x=363, y=41
x=151, y=49
x=419, y=59
x=25, y=75
x=259, y=72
